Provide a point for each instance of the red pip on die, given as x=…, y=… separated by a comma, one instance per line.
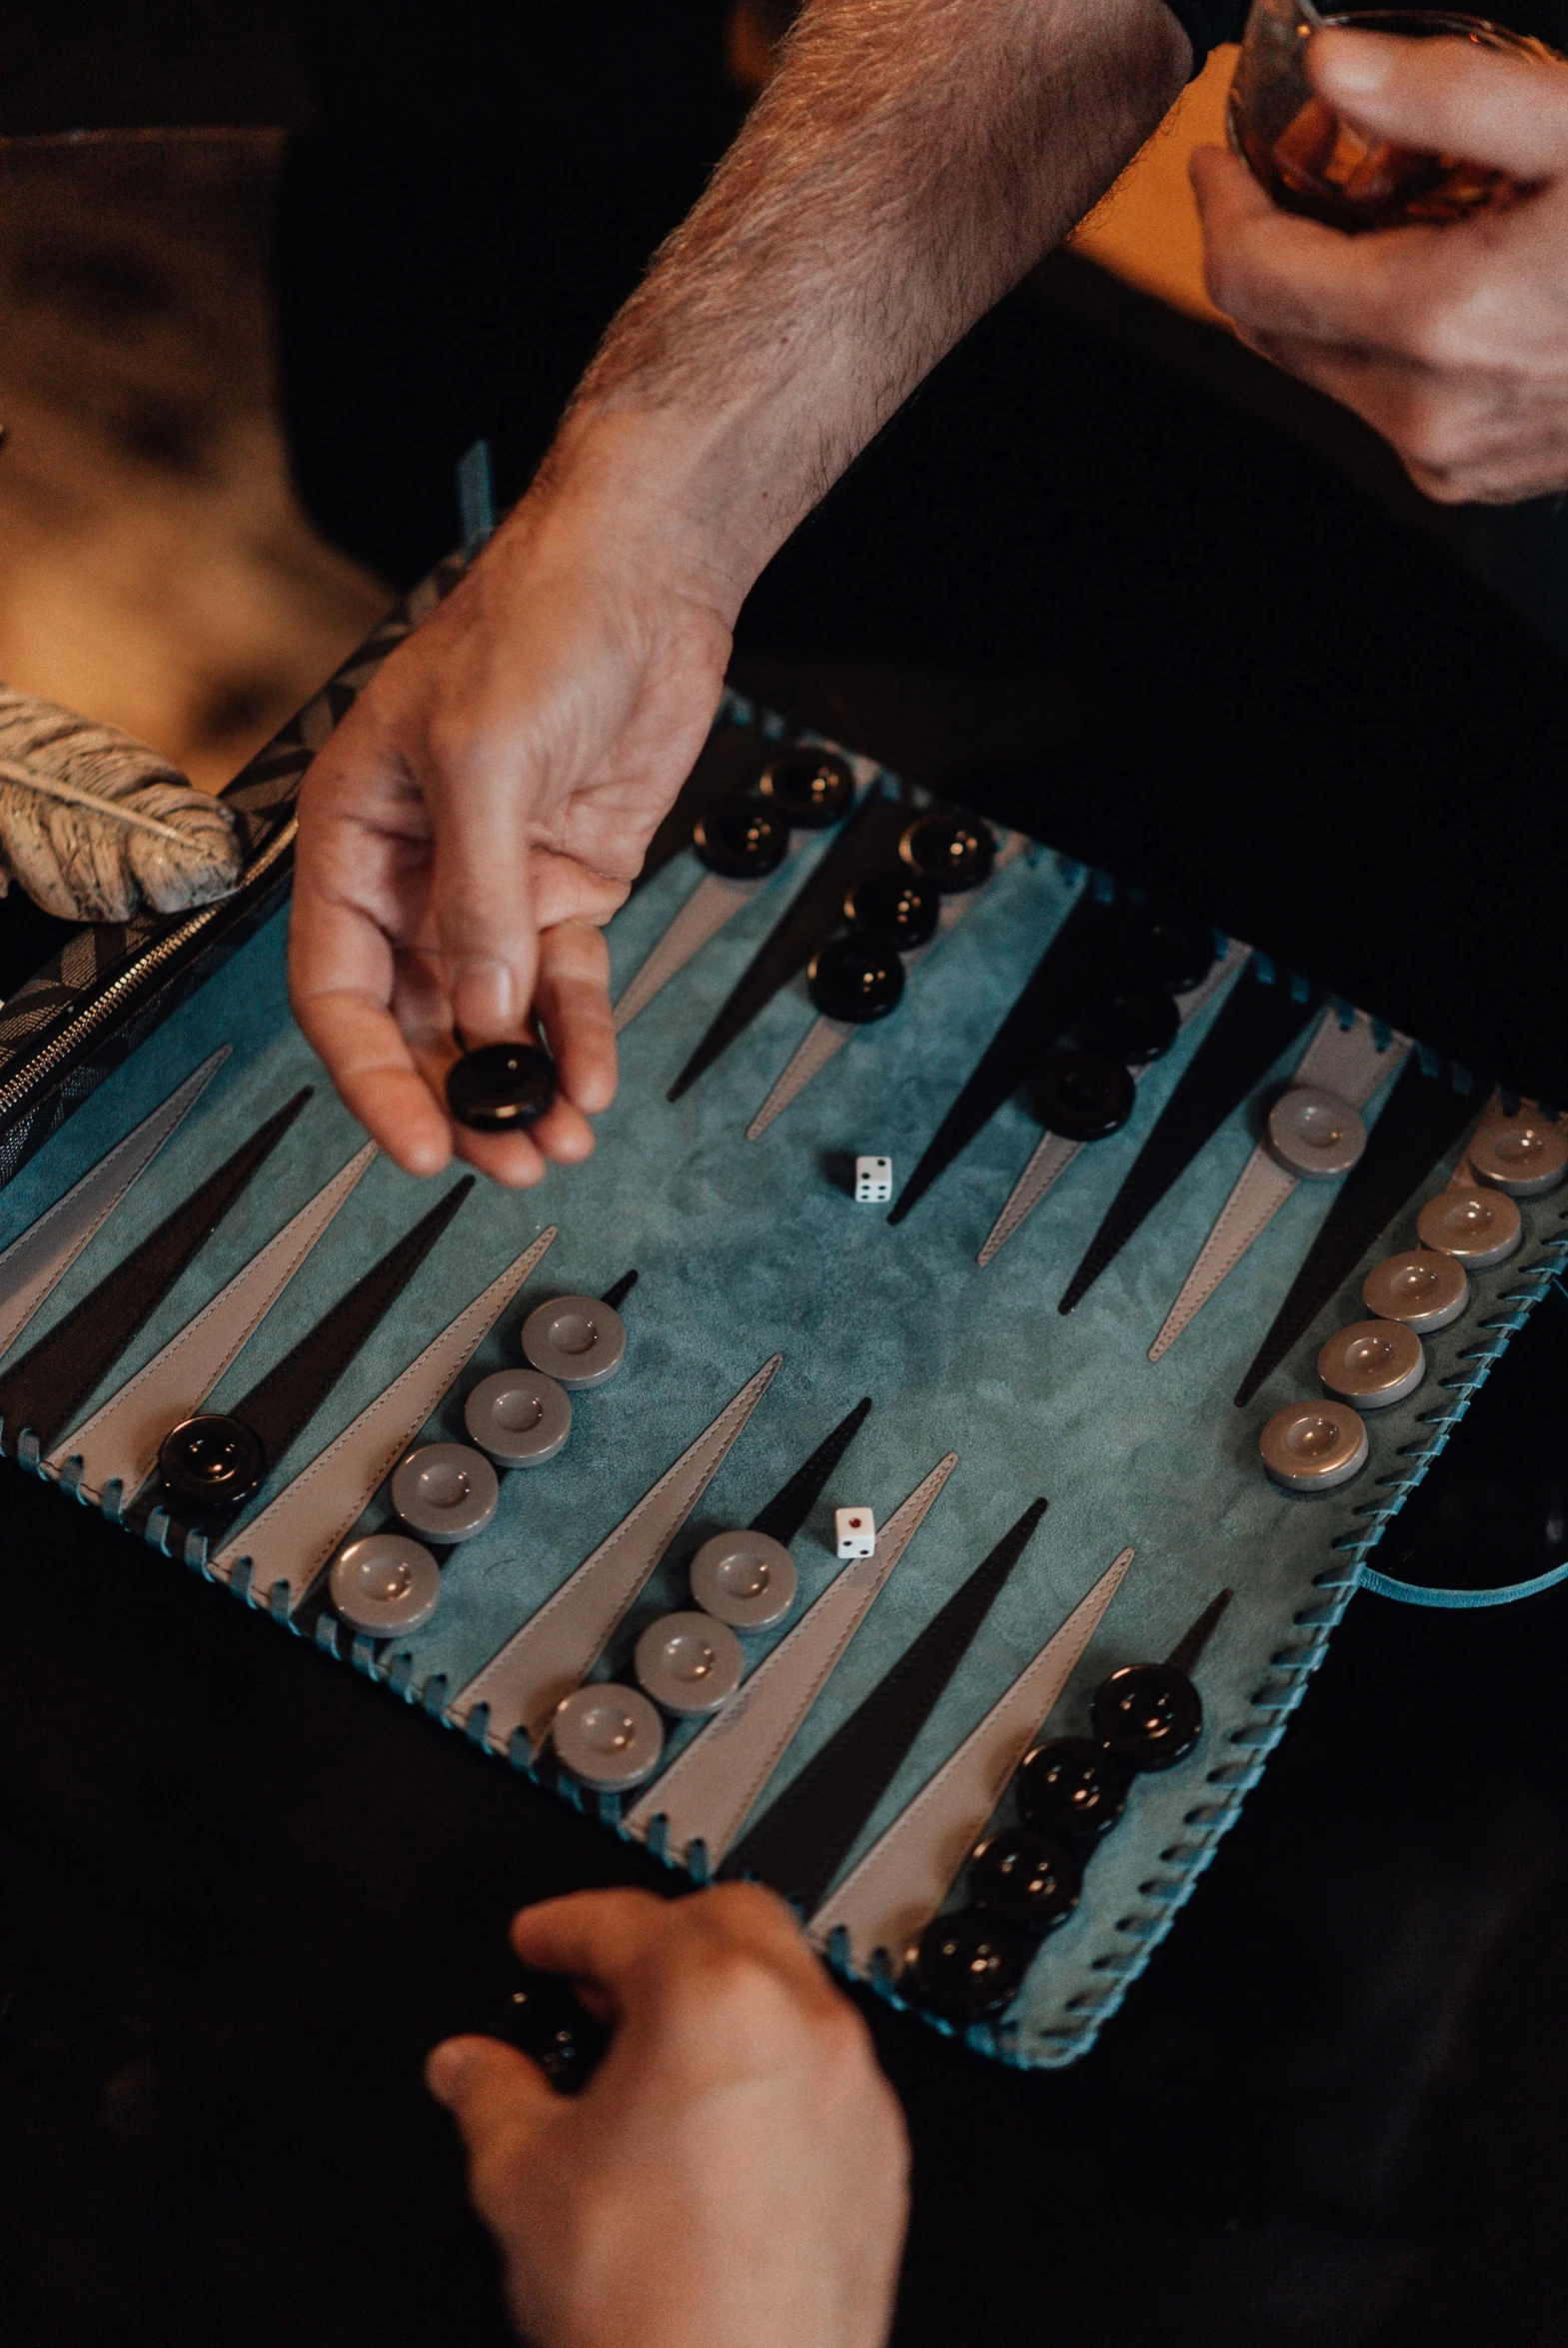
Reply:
x=855, y=1533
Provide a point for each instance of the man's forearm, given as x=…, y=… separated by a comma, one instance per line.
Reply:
x=910, y=160
x=494, y=789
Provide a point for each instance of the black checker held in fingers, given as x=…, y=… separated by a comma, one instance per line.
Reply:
x=543, y=2020
x=501, y=1088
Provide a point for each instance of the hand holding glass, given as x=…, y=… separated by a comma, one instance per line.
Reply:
x=1312, y=160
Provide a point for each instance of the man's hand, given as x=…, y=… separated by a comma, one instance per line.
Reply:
x=733, y=2176
x=486, y=802
x=479, y=814
x=1452, y=341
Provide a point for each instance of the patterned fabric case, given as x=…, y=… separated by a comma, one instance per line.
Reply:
x=746, y=1249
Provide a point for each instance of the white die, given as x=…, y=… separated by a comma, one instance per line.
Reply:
x=855, y=1533
x=872, y=1181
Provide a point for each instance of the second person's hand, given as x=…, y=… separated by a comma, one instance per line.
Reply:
x=732, y=2176
x=1452, y=341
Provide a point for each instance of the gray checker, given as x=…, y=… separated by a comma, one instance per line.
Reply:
x=747, y=1579
x=1420, y=1288
x=519, y=1418
x=444, y=1492
x=384, y=1584
x=1314, y=1446
x=577, y=1341
x=608, y=1736
x=1477, y=1228
x=1372, y=1363
x=1315, y=1134
x=689, y=1663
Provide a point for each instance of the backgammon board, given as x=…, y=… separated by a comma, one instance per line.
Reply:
x=1179, y=1275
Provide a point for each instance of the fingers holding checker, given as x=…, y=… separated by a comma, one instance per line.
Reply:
x=380, y=1014
x=735, y=2167
x=481, y=811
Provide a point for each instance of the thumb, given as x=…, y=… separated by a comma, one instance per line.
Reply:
x=1228, y=197
x=1451, y=96
x=482, y=896
x=496, y=2095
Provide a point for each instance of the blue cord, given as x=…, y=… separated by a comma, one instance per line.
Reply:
x=1419, y=1594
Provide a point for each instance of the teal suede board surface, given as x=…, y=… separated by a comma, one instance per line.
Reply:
x=750, y=1248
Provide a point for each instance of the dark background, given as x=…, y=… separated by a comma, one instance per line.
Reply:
x=245, y=1891
x=1109, y=576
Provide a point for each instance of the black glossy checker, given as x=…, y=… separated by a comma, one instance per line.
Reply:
x=1078, y=950
x=868, y=840
x=287, y=1397
x=731, y=759
x=1254, y=1024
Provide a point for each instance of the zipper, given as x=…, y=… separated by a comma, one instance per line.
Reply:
x=103, y=1007
x=51, y=1058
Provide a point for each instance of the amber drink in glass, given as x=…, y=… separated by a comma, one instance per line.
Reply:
x=1311, y=160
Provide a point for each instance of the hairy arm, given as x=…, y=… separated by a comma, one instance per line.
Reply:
x=910, y=160
x=488, y=801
